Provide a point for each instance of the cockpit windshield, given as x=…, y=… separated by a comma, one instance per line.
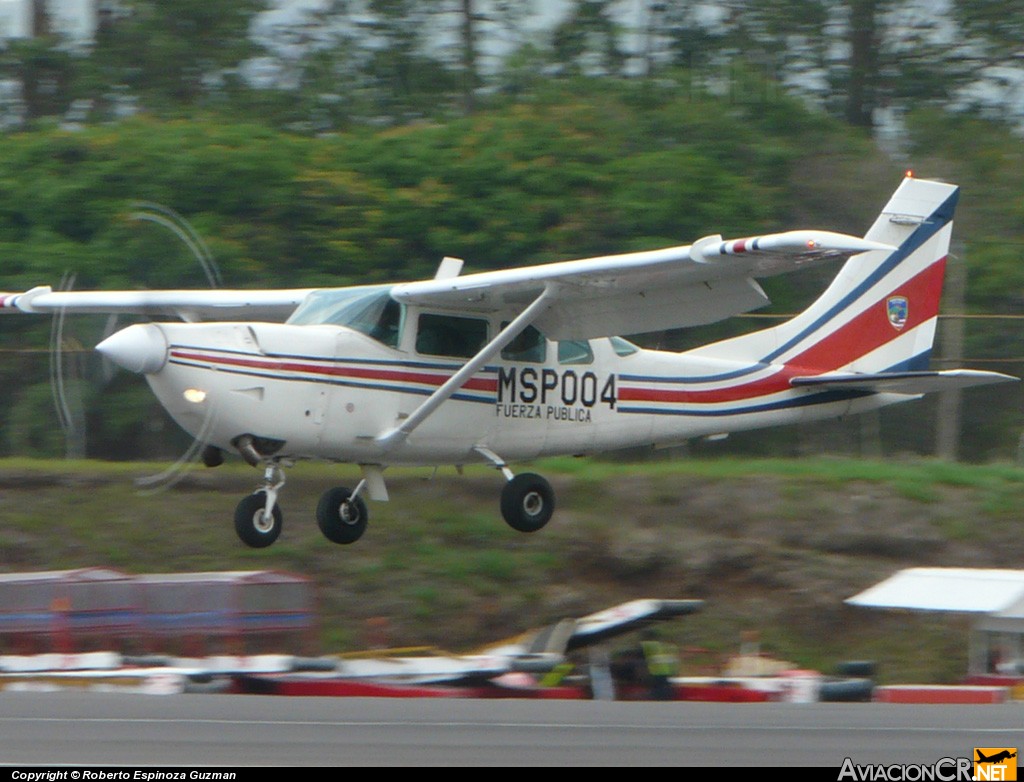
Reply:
x=370, y=310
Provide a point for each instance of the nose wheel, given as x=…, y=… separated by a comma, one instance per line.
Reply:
x=258, y=517
x=527, y=502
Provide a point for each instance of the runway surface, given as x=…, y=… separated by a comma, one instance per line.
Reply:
x=82, y=728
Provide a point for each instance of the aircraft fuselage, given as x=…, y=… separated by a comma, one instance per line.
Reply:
x=328, y=392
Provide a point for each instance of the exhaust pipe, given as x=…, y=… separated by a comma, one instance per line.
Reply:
x=256, y=450
x=246, y=445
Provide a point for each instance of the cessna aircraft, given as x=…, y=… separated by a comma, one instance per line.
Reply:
x=511, y=365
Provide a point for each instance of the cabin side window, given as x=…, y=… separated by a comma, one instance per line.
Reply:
x=529, y=345
x=450, y=335
x=575, y=352
x=623, y=347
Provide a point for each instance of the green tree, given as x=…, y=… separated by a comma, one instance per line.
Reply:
x=45, y=71
x=408, y=81
x=177, y=55
x=1000, y=23
x=861, y=90
x=586, y=41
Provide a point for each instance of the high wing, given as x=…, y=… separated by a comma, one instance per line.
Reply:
x=688, y=285
x=680, y=286
x=189, y=305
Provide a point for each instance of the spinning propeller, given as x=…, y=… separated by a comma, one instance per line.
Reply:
x=70, y=376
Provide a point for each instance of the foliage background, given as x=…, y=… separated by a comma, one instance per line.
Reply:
x=363, y=141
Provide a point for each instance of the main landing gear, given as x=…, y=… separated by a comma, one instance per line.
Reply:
x=341, y=514
x=527, y=500
x=527, y=503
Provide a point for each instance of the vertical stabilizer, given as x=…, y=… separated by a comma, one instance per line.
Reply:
x=879, y=313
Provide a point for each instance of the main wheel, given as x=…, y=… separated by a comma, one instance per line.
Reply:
x=527, y=502
x=252, y=524
x=342, y=520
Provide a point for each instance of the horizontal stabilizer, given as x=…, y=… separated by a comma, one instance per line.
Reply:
x=902, y=382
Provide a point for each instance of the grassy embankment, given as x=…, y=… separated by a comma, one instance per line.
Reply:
x=771, y=545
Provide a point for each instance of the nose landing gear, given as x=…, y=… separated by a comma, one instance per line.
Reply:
x=258, y=518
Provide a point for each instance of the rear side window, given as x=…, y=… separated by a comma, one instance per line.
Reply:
x=573, y=352
x=449, y=335
x=623, y=347
x=530, y=345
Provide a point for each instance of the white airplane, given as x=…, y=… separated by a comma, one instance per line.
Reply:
x=511, y=365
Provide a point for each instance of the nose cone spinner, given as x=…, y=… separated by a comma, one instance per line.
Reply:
x=141, y=348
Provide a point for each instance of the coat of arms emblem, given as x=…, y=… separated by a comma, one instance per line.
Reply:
x=896, y=308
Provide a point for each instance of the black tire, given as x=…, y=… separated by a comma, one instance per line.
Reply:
x=341, y=520
x=250, y=521
x=527, y=502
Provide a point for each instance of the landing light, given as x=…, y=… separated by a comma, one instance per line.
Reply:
x=194, y=395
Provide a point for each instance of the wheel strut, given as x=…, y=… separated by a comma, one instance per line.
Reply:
x=273, y=482
x=497, y=461
x=357, y=490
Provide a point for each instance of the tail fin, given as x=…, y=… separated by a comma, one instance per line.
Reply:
x=880, y=312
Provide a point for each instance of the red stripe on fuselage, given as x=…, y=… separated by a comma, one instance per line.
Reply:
x=768, y=385
x=868, y=331
x=473, y=384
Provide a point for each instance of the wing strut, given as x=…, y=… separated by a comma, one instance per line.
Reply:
x=396, y=436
